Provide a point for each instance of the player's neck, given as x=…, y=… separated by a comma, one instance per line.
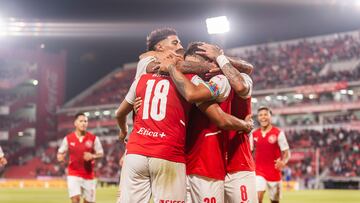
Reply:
x=79, y=133
x=266, y=128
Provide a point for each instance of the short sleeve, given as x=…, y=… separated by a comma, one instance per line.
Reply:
x=142, y=64
x=64, y=146
x=131, y=95
x=98, y=146
x=283, y=144
x=249, y=85
x=221, y=87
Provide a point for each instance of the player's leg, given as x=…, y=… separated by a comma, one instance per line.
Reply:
x=241, y=187
x=274, y=189
x=136, y=183
x=260, y=187
x=168, y=180
x=89, y=190
x=122, y=174
x=74, y=188
x=206, y=190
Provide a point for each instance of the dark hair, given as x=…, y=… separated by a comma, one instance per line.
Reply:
x=264, y=108
x=79, y=114
x=158, y=35
x=193, y=47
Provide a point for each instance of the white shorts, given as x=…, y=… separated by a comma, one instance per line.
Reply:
x=274, y=187
x=240, y=187
x=81, y=186
x=203, y=189
x=143, y=177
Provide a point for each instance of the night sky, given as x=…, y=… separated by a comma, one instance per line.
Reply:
x=251, y=22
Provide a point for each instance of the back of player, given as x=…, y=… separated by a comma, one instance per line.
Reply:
x=155, y=158
x=205, y=160
x=240, y=178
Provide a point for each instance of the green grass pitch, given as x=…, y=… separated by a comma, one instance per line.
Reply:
x=108, y=195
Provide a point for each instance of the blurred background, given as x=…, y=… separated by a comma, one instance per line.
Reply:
x=61, y=57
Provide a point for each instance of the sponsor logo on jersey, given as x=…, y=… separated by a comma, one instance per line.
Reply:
x=72, y=144
x=89, y=144
x=170, y=201
x=272, y=139
x=148, y=132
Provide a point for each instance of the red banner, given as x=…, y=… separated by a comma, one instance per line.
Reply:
x=325, y=87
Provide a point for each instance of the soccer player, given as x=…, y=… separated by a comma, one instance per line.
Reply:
x=161, y=121
x=271, y=155
x=3, y=160
x=83, y=148
x=240, y=178
x=205, y=162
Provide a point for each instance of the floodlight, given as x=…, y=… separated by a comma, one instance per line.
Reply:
x=217, y=25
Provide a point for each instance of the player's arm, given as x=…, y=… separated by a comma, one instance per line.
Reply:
x=152, y=61
x=237, y=79
x=241, y=65
x=191, y=92
x=121, y=114
x=61, y=154
x=285, y=151
x=124, y=109
x=3, y=160
x=225, y=121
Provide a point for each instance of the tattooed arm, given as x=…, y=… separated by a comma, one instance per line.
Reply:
x=237, y=80
x=191, y=92
x=241, y=65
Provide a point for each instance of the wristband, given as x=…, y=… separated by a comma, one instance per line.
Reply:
x=222, y=60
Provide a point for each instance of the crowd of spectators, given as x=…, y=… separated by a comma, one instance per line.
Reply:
x=300, y=64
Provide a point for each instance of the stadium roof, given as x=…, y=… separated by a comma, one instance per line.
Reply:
x=251, y=22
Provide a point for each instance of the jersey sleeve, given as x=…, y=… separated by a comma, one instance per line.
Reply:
x=249, y=85
x=220, y=84
x=142, y=64
x=1, y=153
x=98, y=146
x=251, y=141
x=64, y=146
x=131, y=95
x=283, y=144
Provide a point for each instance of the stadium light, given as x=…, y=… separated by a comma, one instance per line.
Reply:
x=217, y=25
x=254, y=100
x=87, y=114
x=20, y=134
x=343, y=91
x=106, y=112
x=312, y=96
x=97, y=113
x=350, y=92
x=298, y=96
x=268, y=98
x=35, y=82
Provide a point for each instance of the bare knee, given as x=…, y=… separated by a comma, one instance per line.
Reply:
x=75, y=199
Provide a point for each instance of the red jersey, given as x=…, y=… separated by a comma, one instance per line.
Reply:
x=267, y=150
x=205, y=154
x=77, y=165
x=160, y=124
x=239, y=157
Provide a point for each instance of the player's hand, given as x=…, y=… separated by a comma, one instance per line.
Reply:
x=88, y=156
x=3, y=161
x=210, y=51
x=61, y=157
x=279, y=164
x=137, y=104
x=122, y=135
x=249, y=123
x=214, y=70
x=121, y=161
